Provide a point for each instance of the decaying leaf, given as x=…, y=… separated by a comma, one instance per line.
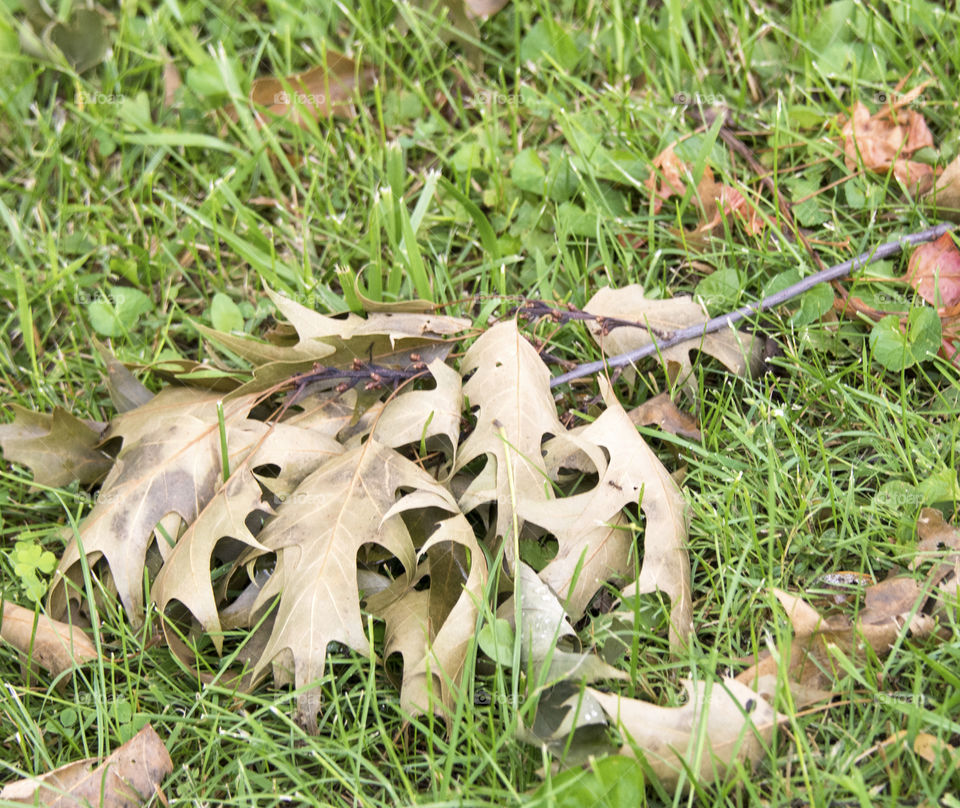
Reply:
x=544, y=624
x=57, y=448
x=946, y=192
x=887, y=139
x=739, y=351
x=939, y=543
x=55, y=646
x=890, y=607
x=128, y=778
x=595, y=542
x=347, y=503
x=169, y=463
x=934, y=271
x=321, y=91
x=716, y=201
x=662, y=412
x=718, y=725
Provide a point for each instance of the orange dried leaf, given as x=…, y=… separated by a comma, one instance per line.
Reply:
x=885, y=140
x=666, y=179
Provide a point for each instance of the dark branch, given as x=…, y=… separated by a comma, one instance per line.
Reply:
x=827, y=275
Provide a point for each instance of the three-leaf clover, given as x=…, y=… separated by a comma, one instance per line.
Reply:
x=28, y=559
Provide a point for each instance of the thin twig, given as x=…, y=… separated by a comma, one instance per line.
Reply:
x=726, y=320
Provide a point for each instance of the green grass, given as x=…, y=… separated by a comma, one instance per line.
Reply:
x=104, y=189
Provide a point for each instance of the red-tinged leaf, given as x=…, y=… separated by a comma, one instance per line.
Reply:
x=934, y=271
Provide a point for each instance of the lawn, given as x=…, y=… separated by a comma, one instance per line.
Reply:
x=477, y=164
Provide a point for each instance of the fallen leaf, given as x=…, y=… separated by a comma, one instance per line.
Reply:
x=485, y=8
x=169, y=463
x=735, y=726
x=510, y=384
x=125, y=390
x=80, y=40
x=719, y=201
x=423, y=414
x=886, y=140
x=945, y=194
x=171, y=82
x=811, y=668
x=433, y=629
x=934, y=271
x=55, y=646
x=128, y=778
x=671, y=177
x=661, y=411
x=57, y=448
x=666, y=178
x=935, y=751
x=594, y=542
x=940, y=543
x=346, y=503
x=543, y=625
x=740, y=352
x=322, y=91
x=383, y=338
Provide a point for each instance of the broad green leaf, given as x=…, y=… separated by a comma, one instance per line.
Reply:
x=897, y=349
x=225, y=314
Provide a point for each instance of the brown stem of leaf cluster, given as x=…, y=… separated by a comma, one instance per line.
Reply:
x=726, y=320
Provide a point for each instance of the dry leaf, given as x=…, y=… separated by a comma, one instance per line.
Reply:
x=511, y=385
x=322, y=91
x=939, y=542
x=55, y=646
x=485, y=8
x=811, y=667
x=661, y=410
x=432, y=629
x=317, y=534
x=667, y=177
x=887, y=139
x=169, y=464
x=171, y=82
x=593, y=536
x=671, y=177
x=739, y=351
x=128, y=778
x=946, y=193
x=543, y=624
x=737, y=726
x=422, y=414
x=934, y=271
x=935, y=751
x=125, y=391
x=57, y=448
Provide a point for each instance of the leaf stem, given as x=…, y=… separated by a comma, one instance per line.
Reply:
x=726, y=320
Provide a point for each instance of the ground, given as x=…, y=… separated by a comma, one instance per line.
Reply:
x=471, y=171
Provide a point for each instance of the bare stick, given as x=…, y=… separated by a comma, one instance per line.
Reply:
x=827, y=275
